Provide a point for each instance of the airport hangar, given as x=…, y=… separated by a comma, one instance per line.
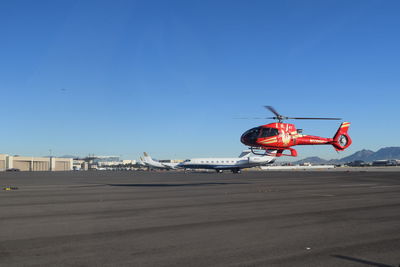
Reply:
x=35, y=163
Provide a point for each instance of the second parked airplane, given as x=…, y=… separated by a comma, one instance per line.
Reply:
x=155, y=164
x=245, y=160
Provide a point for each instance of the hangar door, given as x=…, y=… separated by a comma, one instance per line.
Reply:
x=22, y=165
x=62, y=166
x=40, y=166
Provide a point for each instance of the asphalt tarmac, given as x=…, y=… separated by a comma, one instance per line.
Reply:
x=298, y=218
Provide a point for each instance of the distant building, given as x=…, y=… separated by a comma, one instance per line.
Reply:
x=357, y=163
x=389, y=162
x=128, y=162
x=3, y=162
x=108, y=163
x=115, y=163
x=35, y=163
x=79, y=164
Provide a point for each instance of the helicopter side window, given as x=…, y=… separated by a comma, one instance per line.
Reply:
x=267, y=132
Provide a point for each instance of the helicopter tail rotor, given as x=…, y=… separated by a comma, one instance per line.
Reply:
x=342, y=140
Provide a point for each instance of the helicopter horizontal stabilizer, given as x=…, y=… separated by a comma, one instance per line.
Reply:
x=342, y=140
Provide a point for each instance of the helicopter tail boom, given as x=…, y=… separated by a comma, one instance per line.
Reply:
x=342, y=140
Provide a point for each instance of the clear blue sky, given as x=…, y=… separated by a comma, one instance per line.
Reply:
x=169, y=77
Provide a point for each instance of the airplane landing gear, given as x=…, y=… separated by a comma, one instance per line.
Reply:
x=236, y=171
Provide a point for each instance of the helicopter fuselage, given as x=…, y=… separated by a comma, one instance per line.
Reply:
x=282, y=136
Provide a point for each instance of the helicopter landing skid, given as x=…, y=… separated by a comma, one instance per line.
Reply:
x=259, y=151
x=272, y=151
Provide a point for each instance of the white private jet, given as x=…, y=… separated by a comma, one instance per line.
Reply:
x=245, y=160
x=155, y=164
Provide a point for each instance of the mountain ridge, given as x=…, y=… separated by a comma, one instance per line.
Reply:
x=366, y=155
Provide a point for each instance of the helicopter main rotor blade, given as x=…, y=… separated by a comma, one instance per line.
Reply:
x=257, y=118
x=250, y=118
x=273, y=111
x=298, y=118
x=281, y=118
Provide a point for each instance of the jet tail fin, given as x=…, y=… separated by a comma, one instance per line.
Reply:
x=147, y=157
x=342, y=140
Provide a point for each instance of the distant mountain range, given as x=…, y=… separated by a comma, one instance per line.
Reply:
x=364, y=155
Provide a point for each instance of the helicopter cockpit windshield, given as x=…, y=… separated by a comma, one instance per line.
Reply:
x=250, y=137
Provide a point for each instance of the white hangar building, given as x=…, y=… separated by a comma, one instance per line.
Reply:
x=34, y=163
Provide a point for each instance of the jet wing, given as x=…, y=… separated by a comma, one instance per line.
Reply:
x=170, y=166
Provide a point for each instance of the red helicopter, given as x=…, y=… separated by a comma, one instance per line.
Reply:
x=279, y=136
